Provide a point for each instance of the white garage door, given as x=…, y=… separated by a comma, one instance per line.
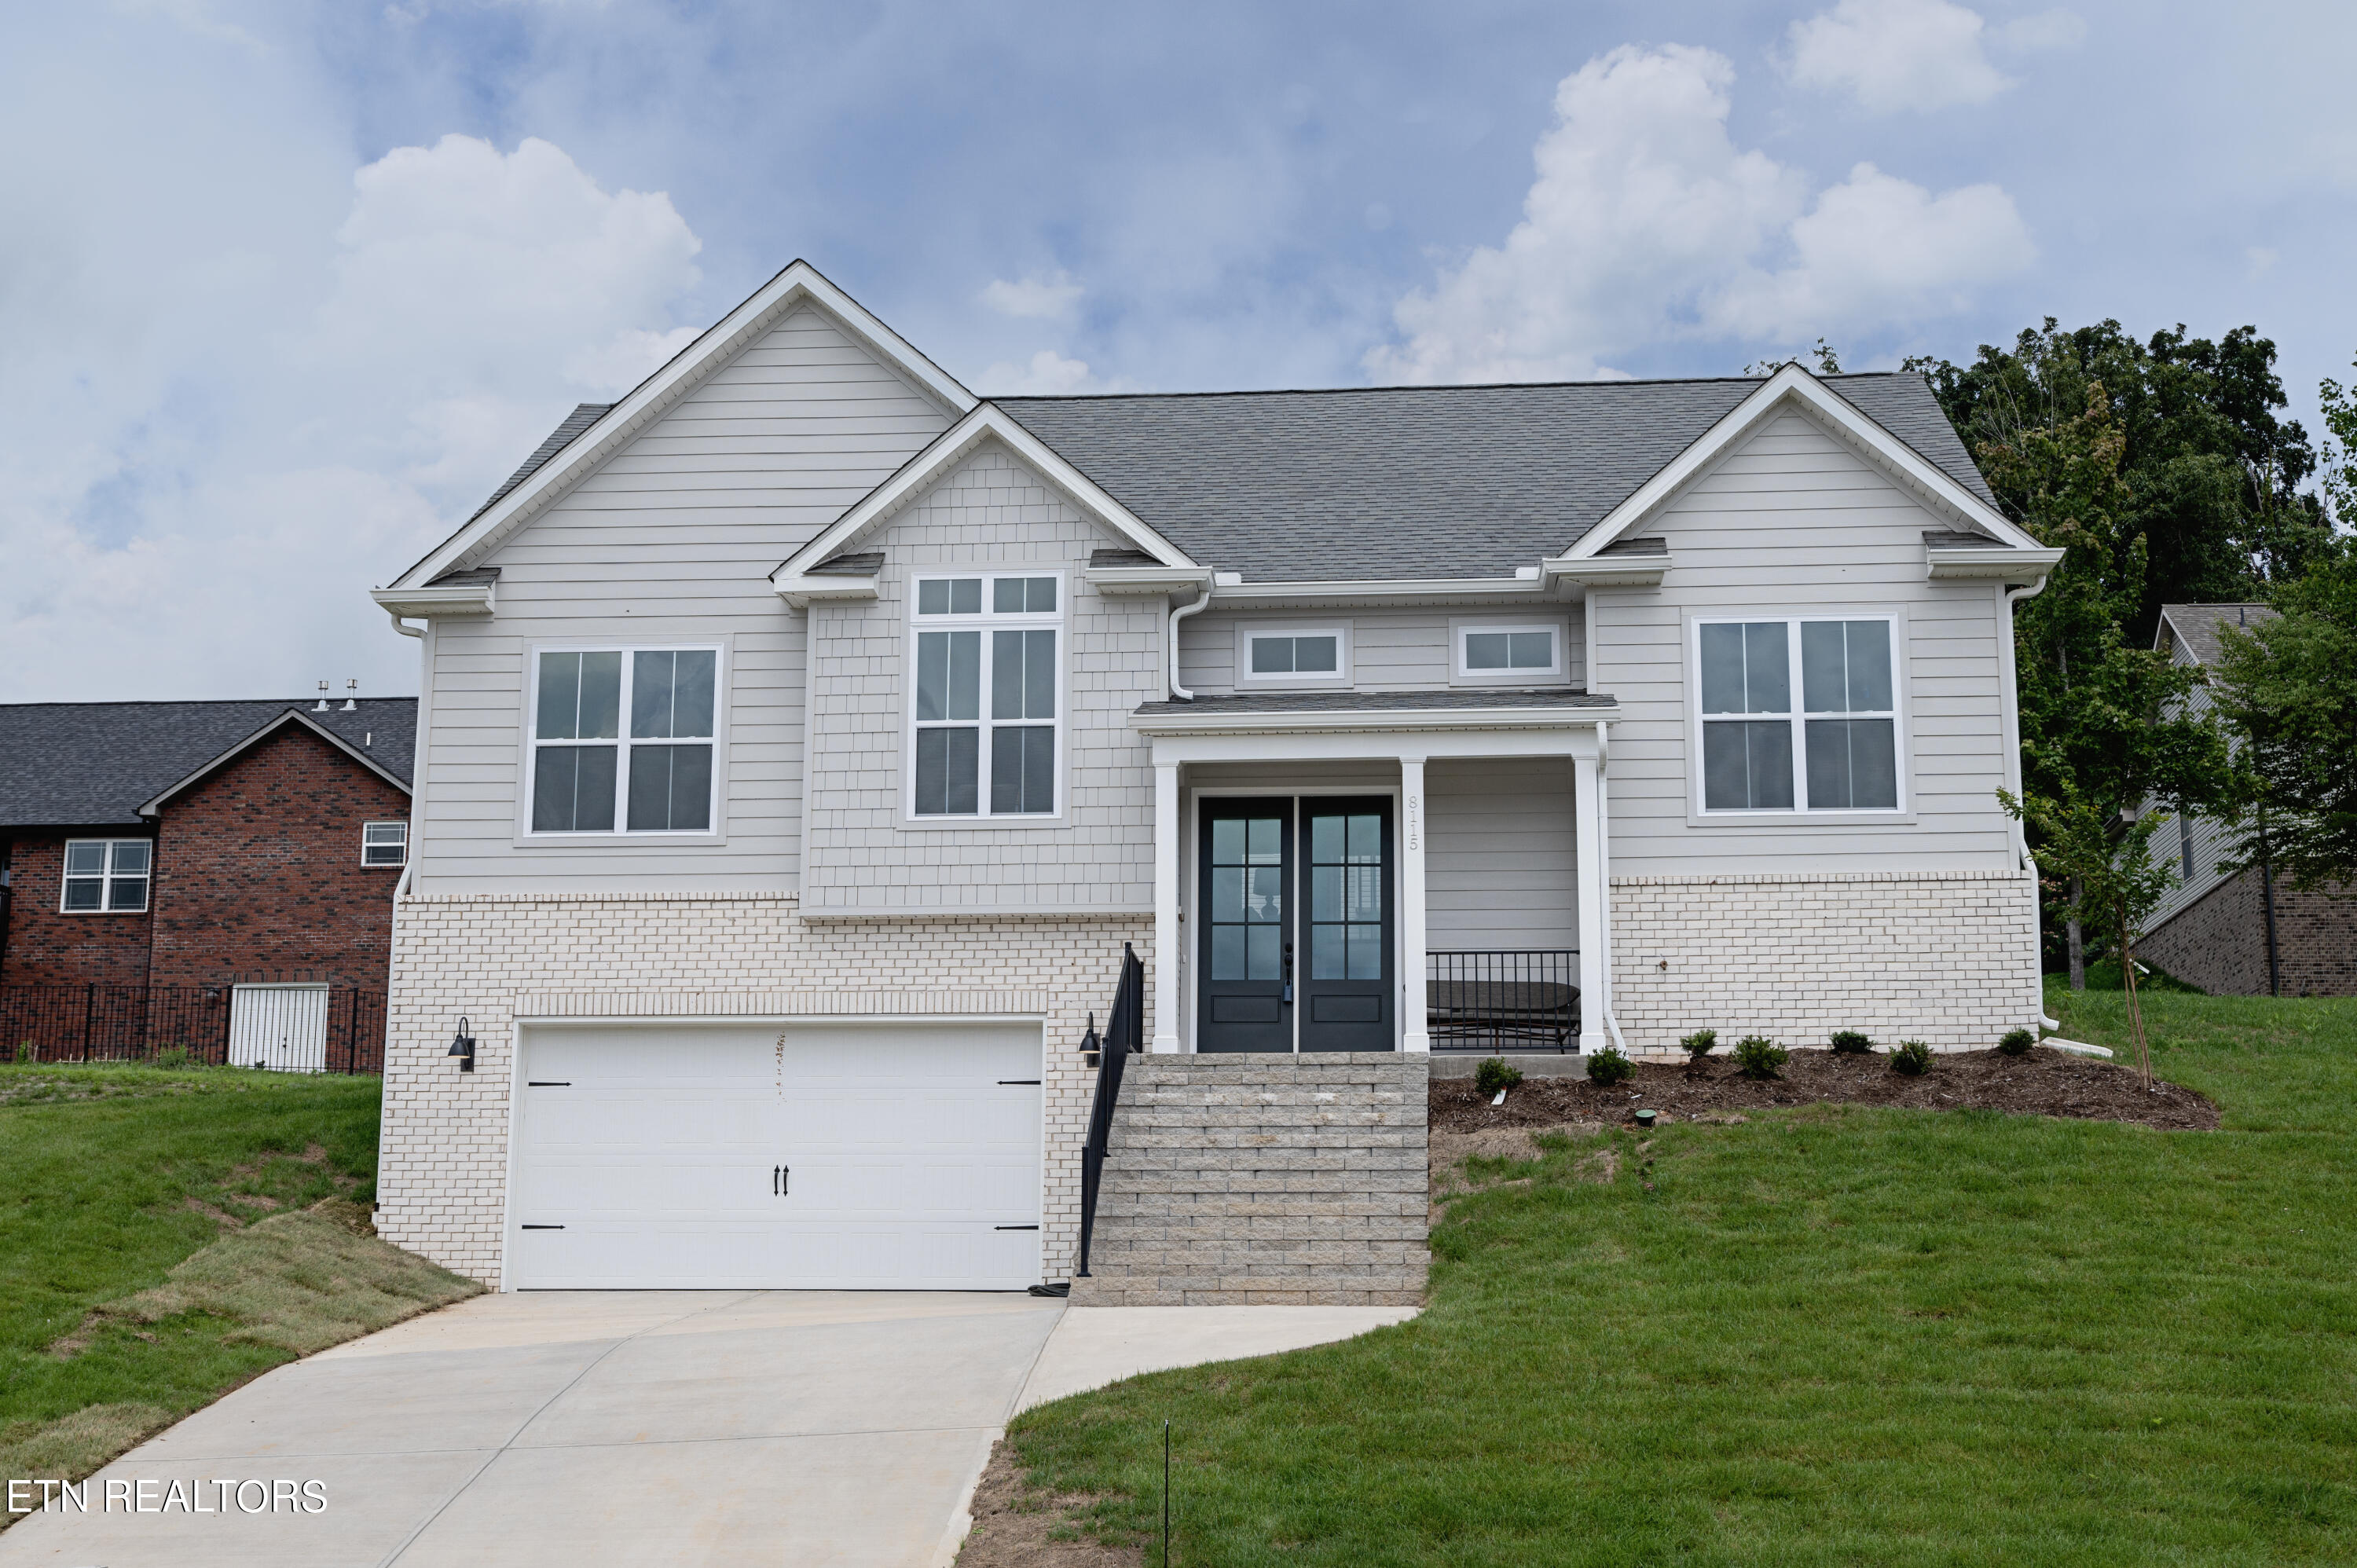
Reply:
x=841, y=1157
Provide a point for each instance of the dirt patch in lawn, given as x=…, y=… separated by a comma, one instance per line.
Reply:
x=2040, y=1083
x=1017, y=1525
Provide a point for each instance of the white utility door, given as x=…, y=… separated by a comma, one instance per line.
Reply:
x=886, y=1156
x=283, y=1028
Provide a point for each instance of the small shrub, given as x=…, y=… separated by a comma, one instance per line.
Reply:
x=1700, y=1044
x=1760, y=1056
x=1849, y=1043
x=2016, y=1042
x=1495, y=1074
x=173, y=1056
x=1911, y=1058
x=1609, y=1066
x=24, y=1050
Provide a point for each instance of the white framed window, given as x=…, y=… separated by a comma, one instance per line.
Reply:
x=106, y=876
x=1799, y=715
x=623, y=740
x=1293, y=655
x=1507, y=653
x=384, y=844
x=985, y=695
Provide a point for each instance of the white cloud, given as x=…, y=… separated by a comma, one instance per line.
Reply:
x=1896, y=54
x=1034, y=298
x=1648, y=224
x=1048, y=374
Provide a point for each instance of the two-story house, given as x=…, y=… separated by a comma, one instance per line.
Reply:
x=803, y=737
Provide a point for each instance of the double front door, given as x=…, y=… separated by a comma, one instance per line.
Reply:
x=1295, y=932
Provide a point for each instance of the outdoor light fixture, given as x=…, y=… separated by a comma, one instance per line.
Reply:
x=462, y=1045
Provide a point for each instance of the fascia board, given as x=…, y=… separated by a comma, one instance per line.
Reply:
x=801, y=592
x=1609, y=571
x=1995, y=564
x=800, y=282
x=1146, y=580
x=458, y=599
x=1371, y=721
x=988, y=422
x=292, y=715
x=1394, y=590
x=1798, y=385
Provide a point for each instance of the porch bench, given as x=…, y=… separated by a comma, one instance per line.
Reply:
x=1468, y=1014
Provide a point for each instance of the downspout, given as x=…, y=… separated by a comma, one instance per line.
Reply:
x=2008, y=685
x=1604, y=875
x=1202, y=601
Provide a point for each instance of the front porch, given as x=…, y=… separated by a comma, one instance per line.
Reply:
x=1418, y=872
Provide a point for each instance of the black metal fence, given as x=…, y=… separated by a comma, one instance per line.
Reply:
x=1519, y=999
x=94, y=1023
x=1124, y=1036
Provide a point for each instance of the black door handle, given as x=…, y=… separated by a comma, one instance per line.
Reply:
x=773, y=1179
x=782, y=1181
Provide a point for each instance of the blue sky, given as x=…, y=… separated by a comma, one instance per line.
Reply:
x=285, y=290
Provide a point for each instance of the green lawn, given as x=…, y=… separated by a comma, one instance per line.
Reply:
x=1833, y=1336
x=110, y=1177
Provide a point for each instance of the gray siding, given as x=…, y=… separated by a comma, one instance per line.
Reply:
x=1498, y=860
x=1795, y=523
x=673, y=539
x=1392, y=651
x=864, y=855
x=2211, y=841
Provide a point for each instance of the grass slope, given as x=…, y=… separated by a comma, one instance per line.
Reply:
x=1829, y=1336
x=164, y=1236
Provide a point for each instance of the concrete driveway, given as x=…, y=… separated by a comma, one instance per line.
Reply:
x=577, y=1430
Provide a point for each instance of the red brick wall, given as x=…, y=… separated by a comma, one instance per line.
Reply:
x=259, y=872
x=48, y=948
x=2218, y=942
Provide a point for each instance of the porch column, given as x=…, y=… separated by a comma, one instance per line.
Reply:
x=1589, y=836
x=1415, y=1034
x=1167, y=940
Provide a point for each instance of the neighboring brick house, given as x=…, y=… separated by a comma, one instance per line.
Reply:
x=2245, y=934
x=196, y=847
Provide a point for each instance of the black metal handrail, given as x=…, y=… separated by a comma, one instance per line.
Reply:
x=1486, y=1001
x=1125, y=1035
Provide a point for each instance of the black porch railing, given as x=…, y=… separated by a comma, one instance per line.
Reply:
x=1521, y=999
x=92, y=1023
x=1125, y=1035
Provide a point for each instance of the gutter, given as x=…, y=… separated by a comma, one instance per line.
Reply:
x=1180, y=694
x=2010, y=690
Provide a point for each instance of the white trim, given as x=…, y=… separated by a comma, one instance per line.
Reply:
x=1414, y=1031
x=983, y=622
x=988, y=422
x=1698, y=814
x=1608, y=572
x=1556, y=673
x=105, y=877
x=1394, y=721
x=1794, y=384
x=717, y=828
x=1169, y=937
x=367, y=828
x=1995, y=563
x=450, y=599
x=800, y=284
x=1249, y=632
x=1370, y=592
x=801, y=591
x=1593, y=896
x=1147, y=581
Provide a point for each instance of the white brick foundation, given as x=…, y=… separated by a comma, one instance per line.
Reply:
x=1943, y=957
x=495, y=958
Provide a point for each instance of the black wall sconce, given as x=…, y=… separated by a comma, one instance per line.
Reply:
x=462, y=1045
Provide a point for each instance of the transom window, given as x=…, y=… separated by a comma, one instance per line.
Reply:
x=592, y=772
x=1293, y=655
x=384, y=844
x=986, y=696
x=1502, y=653
x=1838, y=751
x=106, y=876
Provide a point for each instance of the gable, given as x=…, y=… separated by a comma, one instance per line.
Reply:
x=990, y=505
x=1794, y=488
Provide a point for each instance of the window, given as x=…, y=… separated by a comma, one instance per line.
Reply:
x=106, y=876
x=985, y=698
x=1292, y=656
x=622, y=740
x=1838, y=751
x=2185, y=843
x=1500, y=653
x=384, y=844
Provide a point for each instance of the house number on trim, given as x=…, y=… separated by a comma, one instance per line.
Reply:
x=1415, y=822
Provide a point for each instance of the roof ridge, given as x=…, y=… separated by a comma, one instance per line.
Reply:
x=1431, y=387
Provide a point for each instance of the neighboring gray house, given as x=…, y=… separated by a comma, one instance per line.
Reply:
x=2245, y=934
x=803, y=737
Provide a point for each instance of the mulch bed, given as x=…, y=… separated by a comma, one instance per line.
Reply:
x=2042, y=1083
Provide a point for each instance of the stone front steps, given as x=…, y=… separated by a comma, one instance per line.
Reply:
x=1238, y=1180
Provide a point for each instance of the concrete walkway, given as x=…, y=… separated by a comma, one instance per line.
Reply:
x=649, y=1429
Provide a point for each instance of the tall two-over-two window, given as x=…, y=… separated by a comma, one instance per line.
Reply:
x=988, y=696
x=1835, y=749
x=622, y=740
x=106, y=876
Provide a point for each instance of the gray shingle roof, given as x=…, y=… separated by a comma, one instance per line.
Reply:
x=95, y=764
x=1415, y=481
x=1379, y=702
x=2198, y=625
x=583, y=416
